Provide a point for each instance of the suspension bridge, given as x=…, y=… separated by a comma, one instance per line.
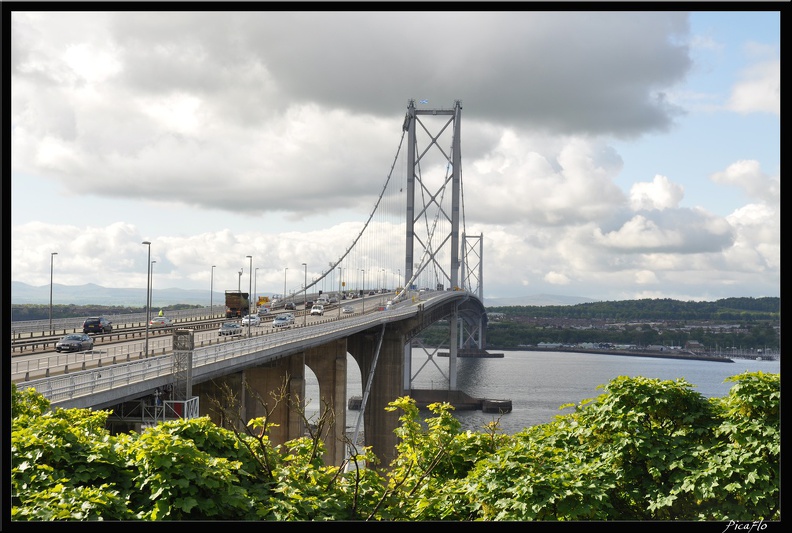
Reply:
x=414, y=235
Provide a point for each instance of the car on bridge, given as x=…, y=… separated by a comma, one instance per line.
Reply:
x=74, y=342
x=251, y=320
x=289, y=306
x=317, y=309
x=283, y=321
x=97, y=324
x=230, y=328
x=347, y=309
x=160, y=322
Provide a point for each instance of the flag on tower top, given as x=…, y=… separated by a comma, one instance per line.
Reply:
x=424, y=102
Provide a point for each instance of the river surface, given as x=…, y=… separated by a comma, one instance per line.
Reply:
x=538, y=383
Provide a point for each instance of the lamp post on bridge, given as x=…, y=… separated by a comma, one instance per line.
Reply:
x=305, y=295
x=148, y=294
x=211, y=292
x=284, y=284
x=52, y=256
x=250, y=288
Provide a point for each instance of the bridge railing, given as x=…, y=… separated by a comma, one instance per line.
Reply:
x=78, y=384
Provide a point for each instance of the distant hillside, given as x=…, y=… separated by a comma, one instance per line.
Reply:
x=22, y=293
x=726, y=309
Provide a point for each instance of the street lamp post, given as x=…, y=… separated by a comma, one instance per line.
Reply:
x=52, y=256
x=284, y=284
x=338, y=296
x=148, y=294
x=305, y=295
x=250, y=287
x=239, y=281
x=211, y=292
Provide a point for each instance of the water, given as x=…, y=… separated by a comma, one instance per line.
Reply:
x=538, y=383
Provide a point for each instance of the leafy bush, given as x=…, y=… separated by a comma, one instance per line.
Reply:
x=645, y=449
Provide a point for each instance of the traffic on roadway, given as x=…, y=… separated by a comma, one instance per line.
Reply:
x=128, y=339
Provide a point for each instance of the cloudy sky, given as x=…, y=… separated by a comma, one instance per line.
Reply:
x=605, y=155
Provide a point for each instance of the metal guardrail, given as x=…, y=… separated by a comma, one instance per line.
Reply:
x=71, y=386
x=21, y=327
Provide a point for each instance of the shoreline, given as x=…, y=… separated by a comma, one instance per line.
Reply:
x=692, y=356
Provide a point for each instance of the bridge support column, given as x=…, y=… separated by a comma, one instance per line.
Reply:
x=252, y=396
x=219, y=399
x=288, y=374
x=387, y=385
x=329, y=363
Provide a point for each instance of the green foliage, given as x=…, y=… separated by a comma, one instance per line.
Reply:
x=741, y=475
x=64, y=464
x=645, y=449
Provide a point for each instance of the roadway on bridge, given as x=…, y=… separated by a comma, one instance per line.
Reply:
x=49, y=362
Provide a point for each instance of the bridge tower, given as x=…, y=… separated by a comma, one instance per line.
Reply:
x=430, y=167
x=472, y=335
x=434, y=160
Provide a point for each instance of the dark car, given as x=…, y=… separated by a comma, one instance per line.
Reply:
x=97, y=324
x=290, y=306
x=74, y=342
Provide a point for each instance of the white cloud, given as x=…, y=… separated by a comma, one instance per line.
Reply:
x=660, y=194
x=759, y=90
x=556, y=278
x=645, y=277
x=748, y=176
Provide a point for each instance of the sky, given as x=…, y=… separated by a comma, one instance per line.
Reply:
x=609, y=155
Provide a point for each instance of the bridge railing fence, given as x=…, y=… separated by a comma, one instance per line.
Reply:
x=69, y=386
